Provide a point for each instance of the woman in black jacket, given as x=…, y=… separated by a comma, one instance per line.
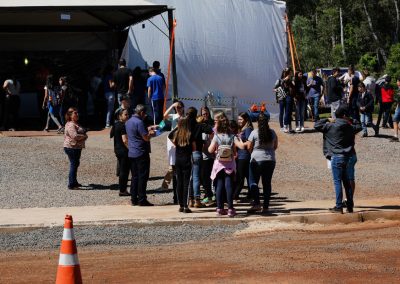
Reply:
x=118, y=132
x=365, y=104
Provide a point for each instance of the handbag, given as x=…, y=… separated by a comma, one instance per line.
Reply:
x=280, y=93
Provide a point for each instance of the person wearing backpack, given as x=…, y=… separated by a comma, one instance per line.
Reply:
x=262, y=144
x=224, y=144
x=52, y=102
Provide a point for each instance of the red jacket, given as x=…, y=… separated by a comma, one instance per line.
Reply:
x=387, y=94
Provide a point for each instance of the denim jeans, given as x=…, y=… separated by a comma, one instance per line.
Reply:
x=74, y=156
x=339, y=172
x=140, y=170
x=197, y=159
x=282, y=108
x=334, y=106
x=206, y=173
x=242, y=173
x=300, y=108
x=110, y=98
x=224, y=181
x=365, y=121
x=315, y=106
x=265, y=170
x=288, y=110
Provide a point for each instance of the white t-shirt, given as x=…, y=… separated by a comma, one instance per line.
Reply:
x=12, y=89
x=370, y=84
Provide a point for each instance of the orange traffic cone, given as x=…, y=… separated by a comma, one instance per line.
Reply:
x=69, y=270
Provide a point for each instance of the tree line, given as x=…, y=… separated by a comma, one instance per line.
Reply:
x=331, y=33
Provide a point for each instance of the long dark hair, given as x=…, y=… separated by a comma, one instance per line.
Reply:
x=264, y=132
x=49, y=82
x=191, y=115
x=245, y=116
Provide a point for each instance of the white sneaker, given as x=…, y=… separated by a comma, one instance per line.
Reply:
x=297, y=129
x=302, y=129
x=286, y=129
x=282, y=129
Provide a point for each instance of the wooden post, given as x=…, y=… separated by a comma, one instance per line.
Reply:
x=174, y=77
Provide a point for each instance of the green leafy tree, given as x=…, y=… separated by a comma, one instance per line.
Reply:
x=368, y=61
x=393, y=63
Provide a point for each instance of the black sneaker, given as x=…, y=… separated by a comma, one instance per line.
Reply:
x=145, y=203
x=187, y=210
x=349, y=209
x=134, y=202
x=376, y=129
x=336, y=210
x=180, y=209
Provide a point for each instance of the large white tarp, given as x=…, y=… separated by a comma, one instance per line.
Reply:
x=232, y=47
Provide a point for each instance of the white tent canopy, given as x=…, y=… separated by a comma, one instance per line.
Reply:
x=232, y=47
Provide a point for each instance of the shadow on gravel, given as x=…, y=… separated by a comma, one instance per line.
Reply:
x=306, y=209
x=156, y=178
x=93, y=186
x=393, y=207
x=384, y=136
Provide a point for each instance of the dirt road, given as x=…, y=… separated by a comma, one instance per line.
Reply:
x=262, y=253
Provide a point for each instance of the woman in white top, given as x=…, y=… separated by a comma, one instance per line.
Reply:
x=174, y=118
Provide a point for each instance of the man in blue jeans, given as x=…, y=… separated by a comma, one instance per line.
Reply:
x=315, y=85
x=139, y=154
x=155, y=93
x=339, y=137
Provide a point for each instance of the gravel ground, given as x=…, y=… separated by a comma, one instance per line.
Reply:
x=118, y=235
x=34, y=170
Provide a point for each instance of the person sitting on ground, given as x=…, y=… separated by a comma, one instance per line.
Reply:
x=338, y=146
x=118, y=132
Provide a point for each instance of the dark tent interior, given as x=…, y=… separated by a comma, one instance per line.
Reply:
x=72, y=41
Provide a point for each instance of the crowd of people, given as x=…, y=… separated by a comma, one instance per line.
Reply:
x=216, y=153
x=360, y=91
x=221, y=154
